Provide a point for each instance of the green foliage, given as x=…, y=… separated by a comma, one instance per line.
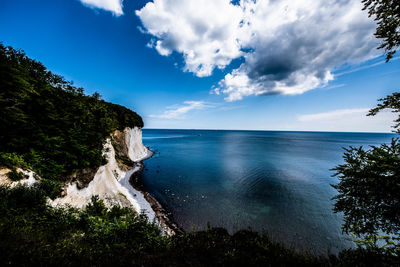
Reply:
x=11, y=160
x=391, y=102
x=370, y=256
x=15, y=175
x=387, y=16
x=35, y=234
x=50, y=125
x=369, y=189
x=51, y=188
x=244, y=248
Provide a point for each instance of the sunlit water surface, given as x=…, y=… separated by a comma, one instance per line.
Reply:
x=267, y=180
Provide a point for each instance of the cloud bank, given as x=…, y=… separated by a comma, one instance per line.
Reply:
x=288, y=47
x=115, y=6
x=345, y=120
x=340, y=113
x=175, y=112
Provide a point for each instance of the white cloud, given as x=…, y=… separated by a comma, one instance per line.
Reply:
x=345, y=120
x=203, y=31
x=177, y=112
x=333, y=114
x=288, y=47
x=115, y=6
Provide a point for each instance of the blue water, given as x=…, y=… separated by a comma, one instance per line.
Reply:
x=267, y=180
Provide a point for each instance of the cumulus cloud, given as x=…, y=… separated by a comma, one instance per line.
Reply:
x=177, y=112
x=115, y=6
x=287, y=47
x=203, y=31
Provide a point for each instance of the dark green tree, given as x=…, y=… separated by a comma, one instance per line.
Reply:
x=387, y=16
x=369, y=180
x=390, y=102
x=369, y=188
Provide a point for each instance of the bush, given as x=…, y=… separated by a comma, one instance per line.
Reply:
x=11, y=160
x=51, y=188
x=35, y=234
x=15, y=175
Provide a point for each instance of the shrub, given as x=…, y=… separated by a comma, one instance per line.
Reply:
x=15, y=175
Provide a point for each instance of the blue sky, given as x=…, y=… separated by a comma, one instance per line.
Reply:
x=308, y=65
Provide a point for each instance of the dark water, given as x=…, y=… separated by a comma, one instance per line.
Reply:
x=273, y=181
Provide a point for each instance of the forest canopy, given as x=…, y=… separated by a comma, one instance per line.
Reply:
x=49, y=125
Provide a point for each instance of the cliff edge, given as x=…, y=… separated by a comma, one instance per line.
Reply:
x=123, y=150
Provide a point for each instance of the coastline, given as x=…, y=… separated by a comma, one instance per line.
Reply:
x=118, y=182
x=135, y=180
x=115, y=183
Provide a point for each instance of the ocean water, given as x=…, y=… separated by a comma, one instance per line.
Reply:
x=273, y=181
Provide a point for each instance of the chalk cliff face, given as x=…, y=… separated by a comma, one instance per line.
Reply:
x=111, y=182
x=136, y=150
x=128, y=146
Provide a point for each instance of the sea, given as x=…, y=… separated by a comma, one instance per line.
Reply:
x=274, y=182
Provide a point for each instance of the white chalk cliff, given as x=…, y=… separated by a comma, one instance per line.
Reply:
x=111, y=181
x=136, y=150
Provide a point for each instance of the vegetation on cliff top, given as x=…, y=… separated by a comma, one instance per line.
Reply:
x=49, y=125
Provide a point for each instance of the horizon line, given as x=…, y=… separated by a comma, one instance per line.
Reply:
x=254, y=130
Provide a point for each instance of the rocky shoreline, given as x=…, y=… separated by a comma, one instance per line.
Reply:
x=167, y=223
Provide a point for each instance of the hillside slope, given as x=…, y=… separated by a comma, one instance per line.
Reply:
x=51, y=126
